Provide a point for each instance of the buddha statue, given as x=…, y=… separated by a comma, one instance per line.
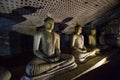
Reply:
x=79, y=50
x=102, y=42
x=92, y=41
x=49, y=60
x=92, y=38
x=102, y=38
x=4, y=74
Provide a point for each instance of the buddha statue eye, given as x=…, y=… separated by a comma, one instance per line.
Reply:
x=49, y=24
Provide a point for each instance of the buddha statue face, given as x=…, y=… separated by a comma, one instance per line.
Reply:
x=49, y=25
x=93, y=31
x=78, y=30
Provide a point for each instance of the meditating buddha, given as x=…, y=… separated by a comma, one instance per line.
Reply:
x=79, y=50
x=48, y=59
x=92, y=40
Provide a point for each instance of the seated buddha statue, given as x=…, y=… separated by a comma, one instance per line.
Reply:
x=48, y=60
x=79, y=50
x=102, y=42
x=4, y=74
x=92, y=41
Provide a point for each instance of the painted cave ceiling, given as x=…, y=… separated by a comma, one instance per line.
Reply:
x=33, y=12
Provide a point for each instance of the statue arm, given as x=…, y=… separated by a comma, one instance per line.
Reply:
x=57, y=46
x=57, y=49
x=84, y=48
x=73, y=43
x=36, y=43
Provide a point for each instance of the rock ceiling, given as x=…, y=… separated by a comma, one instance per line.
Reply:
x=82, y=11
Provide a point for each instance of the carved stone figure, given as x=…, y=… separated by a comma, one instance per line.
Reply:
x=49, y=59
x=92, y=41
x=102, y=42
x=4, y=74
x=92, y=38
x=79, y=50
x=102, y=38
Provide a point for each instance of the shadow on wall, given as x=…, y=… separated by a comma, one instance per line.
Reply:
x=64, y=38
x=17, y=43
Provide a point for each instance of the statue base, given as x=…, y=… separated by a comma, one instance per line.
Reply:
x=48, y=75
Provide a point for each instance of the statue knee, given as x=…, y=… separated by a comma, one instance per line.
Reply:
x=5, y=75
x=69, y=58
x=31, y=70
x=8, y=75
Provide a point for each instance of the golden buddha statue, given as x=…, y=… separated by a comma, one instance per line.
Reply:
x=92, y=40
x=79, y=50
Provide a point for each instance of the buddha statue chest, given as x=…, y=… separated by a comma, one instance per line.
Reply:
x=93, y=40
x=47, y=43
x=79, y=41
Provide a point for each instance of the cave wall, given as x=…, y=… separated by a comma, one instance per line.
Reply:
x=18, y=22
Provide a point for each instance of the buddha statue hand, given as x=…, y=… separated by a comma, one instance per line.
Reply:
x=57, y=52
x=56, y=56
x=55, y=59
x=82, y=50
x=97, y=50
x=40, y=54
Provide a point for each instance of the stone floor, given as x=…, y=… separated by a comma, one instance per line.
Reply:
x=18, y=69
x=85, y=67
x=109, y=71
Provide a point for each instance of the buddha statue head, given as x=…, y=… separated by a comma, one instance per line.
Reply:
x=78, y=29
x=93, y=31
x=49, y=24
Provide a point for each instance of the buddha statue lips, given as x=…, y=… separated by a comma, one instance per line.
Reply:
x=49, y=59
